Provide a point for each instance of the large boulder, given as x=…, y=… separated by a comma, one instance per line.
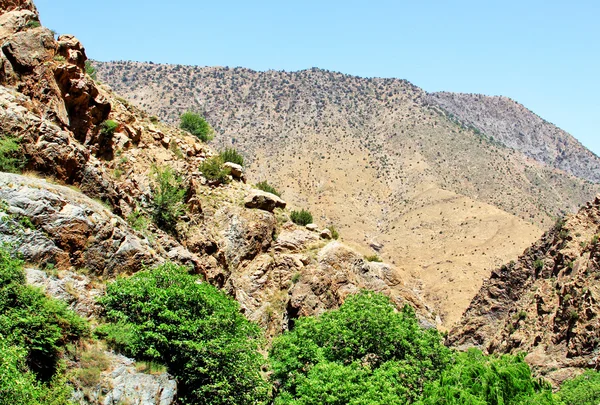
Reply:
x=263, y=201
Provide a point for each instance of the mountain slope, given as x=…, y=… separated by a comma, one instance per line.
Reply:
x=515, y=126
x=372, y=157
x=546, y=303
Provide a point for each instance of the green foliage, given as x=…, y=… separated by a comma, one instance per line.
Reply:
x=196, y=125
x=232, y=155
x=33, y=331
x=302, y=217
x=366, y=352
x=360, y=353
x=138, y=221
x=373, y=258
x=165, y=315
x=538, y=265
x=485, y=380
x=167, y=198
x=581, y=390
x=212, y=168
x=108, y=127
x=264, y=186
x=11, y=154
x=334, y=232
x=33, y=24
x=91, y=70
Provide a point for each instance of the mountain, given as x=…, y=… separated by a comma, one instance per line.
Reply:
x=395, y=173
x=513, y=125
x=546, y=303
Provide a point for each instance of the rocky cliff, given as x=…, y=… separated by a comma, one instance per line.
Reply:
x=545, y=303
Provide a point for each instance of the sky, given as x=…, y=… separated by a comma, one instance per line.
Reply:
x=543, y=54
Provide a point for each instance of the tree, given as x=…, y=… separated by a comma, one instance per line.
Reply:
x=167, y=198
x=165, y=315
x=196, y=125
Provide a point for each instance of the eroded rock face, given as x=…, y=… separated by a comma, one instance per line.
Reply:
x=69, y=229
x=123, y=384
x=546, y=303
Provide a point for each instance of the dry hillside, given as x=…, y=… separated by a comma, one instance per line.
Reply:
x=517, y=127
x=442, y=202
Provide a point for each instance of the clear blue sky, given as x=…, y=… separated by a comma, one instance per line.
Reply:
x=544, y=54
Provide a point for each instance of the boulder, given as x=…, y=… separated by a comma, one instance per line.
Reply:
x=312, y=227
x=325, y=234
x=237, y=171
x=263, y=201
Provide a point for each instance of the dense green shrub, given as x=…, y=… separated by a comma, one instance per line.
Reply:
x=582, y=390
x=34, y=329
x=11, y=154
x=108, y=127
x=302, y=217
x=264, y=186
x=214, y=171
x=366, y=352
x=167, y=198
x=356, y=351
x=198, y=332
x=232, y=155
x=196, y=125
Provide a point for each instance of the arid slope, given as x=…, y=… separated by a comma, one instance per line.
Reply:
x=371, y=157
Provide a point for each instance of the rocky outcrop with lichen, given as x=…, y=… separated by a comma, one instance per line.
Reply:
x=546, y=303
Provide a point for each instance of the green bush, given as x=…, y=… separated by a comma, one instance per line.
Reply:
x=264, y=186
x=334, y=232
x=11, y=154
x=581, y=390
x=108, y=127
x=165, y=315
x=213, y=170
x=34, y=329
x=364, y=352
x=91, y=70
x=302, y=217
x=167, y=198
x=373, y=258
x=196, y=125
x=232, y=155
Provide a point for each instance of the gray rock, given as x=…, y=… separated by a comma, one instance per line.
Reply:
x=325, y=234
x=237, y=171
x=263, y=201
x=312, y=227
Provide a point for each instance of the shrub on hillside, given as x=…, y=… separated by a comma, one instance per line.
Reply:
x=91, y=70
x=165, y=315
x=196, y=125
x=232, y=155
x=264, y=186
x=214, y=171
x=108, y=127
x=11, y=154
x=167, y=198
x=581, y=390
x=302, y=217
x=34, y=330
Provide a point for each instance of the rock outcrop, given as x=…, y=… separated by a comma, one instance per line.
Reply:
x=546, y=303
